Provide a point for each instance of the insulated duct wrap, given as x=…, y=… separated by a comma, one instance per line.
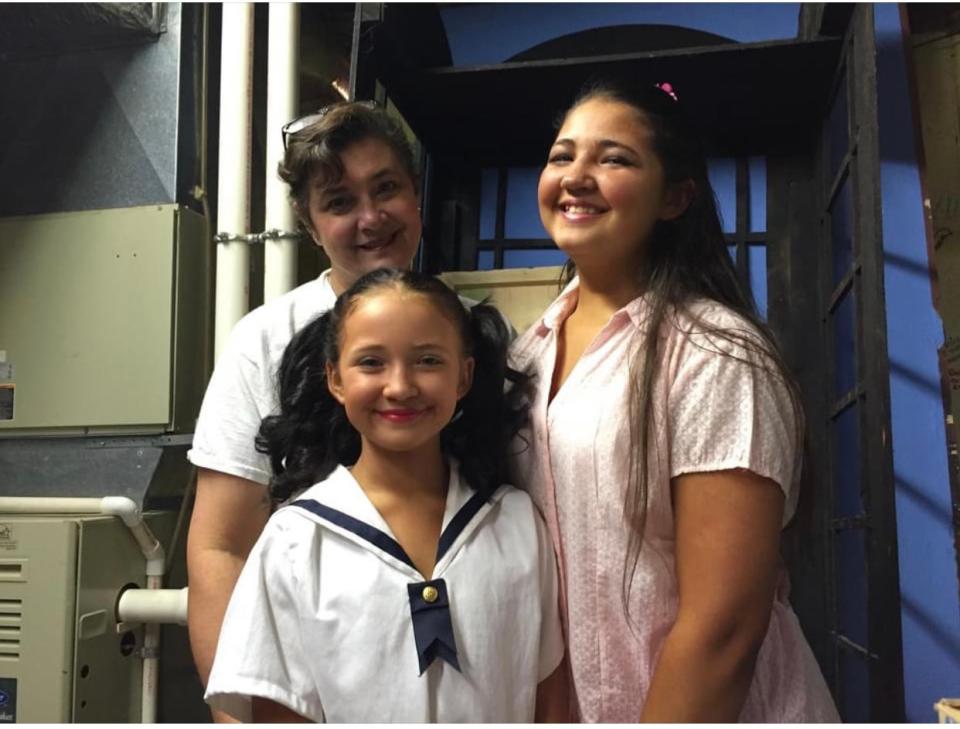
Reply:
x=45, y=28
x=109, y=125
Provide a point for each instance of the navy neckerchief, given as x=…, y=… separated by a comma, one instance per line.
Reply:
x=429, y=600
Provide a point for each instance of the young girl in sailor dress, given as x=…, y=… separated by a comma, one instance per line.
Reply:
x=408, y=584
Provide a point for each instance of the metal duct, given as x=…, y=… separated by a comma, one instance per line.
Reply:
x=151, y=471
x=45, y=28
x=99, y=129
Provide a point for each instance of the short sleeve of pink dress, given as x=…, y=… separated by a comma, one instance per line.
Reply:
x=726, y=407
x=713, y=411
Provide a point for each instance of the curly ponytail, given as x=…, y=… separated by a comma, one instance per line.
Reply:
x=311, y=435
x=479, y=438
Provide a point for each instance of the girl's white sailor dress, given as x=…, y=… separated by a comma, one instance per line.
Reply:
x=331, y=619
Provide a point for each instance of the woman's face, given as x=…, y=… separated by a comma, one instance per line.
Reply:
x=603, y=187
x=370, y=218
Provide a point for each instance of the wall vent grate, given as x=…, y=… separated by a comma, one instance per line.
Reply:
x=11, y=615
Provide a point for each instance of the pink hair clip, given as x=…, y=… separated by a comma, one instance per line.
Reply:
x=667, y=88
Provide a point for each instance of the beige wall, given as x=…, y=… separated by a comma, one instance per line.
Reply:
x=520, y=293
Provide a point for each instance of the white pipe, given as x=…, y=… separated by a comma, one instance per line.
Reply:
x=152, y=550
x=120, y=506
x=283, y=54
x=233, y=197
x=128, y=511
x=153, y=606
x=151, y=663
x=44, y=505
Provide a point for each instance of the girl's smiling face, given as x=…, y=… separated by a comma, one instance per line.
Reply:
x=603, y=188
x=401, y=370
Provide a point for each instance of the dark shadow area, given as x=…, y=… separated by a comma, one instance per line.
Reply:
x=929, y=506
x=931, y=387
x=946, y=638
x=914, y=267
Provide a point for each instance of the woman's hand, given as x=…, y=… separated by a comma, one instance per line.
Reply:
x=727, y=559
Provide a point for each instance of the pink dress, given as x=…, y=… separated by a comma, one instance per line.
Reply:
x=713, y=413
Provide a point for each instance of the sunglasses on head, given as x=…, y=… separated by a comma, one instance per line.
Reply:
x=301, y=123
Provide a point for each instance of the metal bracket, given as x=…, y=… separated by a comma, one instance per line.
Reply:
x=156, y=441
x=143, y=652
x=251, y=238
x=276, y=234
x=248, y=238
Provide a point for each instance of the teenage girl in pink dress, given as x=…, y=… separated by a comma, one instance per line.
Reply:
x=664, y=445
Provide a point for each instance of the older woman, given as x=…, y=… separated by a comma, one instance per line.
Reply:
x=355, y=189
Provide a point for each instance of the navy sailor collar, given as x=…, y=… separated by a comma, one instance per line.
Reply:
x=340, y=505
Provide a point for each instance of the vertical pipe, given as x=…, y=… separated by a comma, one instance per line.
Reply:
x=233, y=205
x=153, y=552
x=280, y=243
x=151, y=662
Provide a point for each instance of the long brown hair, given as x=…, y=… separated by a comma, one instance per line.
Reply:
x=687, y=261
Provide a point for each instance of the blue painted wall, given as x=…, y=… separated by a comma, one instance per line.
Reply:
x=928, y=580
x=491, y=33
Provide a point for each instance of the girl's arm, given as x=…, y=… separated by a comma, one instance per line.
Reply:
x=728, y=538
x=553, y=698
x=266, y=711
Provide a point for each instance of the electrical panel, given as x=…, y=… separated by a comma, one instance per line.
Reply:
x=105, y=324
